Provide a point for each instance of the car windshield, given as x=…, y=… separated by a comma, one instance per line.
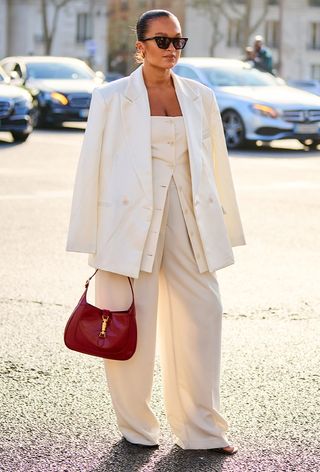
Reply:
x=235, y=76
x=56, y=70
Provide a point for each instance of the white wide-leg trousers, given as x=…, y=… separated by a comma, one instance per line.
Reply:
x=188, y=318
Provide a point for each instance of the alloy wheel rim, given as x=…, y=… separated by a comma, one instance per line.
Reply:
x=233, y=129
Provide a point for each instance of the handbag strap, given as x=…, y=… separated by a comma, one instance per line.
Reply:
x=88, y=281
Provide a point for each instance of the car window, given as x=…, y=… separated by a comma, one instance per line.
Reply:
x=187, y=72
x=56, y=70
x=235, y=76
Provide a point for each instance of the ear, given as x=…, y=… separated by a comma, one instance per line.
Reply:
x=140, y=46
x=140, y=52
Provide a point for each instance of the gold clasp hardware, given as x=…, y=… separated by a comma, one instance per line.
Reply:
x=102, y=333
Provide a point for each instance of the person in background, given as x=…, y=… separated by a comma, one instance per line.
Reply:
x=249, y=56
x=262, y=55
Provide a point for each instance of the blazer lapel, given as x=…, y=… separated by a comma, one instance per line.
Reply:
x=135, y=112
x=191, y=107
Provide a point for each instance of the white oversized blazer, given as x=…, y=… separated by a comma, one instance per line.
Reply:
x=113, y=197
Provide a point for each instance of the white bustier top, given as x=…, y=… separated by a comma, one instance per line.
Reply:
x=170, y=159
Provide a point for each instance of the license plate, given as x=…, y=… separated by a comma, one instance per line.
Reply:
x=309, y=128
x=84, y=113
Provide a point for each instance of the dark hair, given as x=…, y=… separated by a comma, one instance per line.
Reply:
x=143, y=24
x=145, y=18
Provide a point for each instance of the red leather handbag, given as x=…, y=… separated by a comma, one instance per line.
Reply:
x=101, y=332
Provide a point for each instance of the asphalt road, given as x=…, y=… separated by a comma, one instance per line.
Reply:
x=55, y=412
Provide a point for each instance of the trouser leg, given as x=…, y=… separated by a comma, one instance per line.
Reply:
x=130, y=382
x=190, y=315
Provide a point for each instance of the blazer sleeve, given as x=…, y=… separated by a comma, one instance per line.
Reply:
x=223, y=177
x=82, y=232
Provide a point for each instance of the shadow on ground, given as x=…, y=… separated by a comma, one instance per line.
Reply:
x=124, y=457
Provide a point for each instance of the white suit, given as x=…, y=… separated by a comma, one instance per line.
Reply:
x=154, y=200
x=113, y=195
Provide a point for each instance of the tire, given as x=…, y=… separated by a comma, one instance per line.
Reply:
x=310, y=143
x=35, y=117
x=41, y=121
x=234, y=129
x=19, y=137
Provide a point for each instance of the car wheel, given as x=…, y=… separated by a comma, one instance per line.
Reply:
x=310, y=143
x=19, y=137
x=35, y=117
x=41, y=119
x=234, y=129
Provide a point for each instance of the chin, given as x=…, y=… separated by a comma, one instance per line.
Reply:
x=171, y=63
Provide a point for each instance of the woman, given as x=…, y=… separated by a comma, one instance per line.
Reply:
x=154, y=200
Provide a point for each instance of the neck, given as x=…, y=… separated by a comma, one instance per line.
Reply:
x=156, y=77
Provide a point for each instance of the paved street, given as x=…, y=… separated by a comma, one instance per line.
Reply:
x=55, y=412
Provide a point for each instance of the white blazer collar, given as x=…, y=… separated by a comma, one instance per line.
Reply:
x=136, y=115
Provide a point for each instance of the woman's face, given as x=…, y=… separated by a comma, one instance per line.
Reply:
x=162, y=58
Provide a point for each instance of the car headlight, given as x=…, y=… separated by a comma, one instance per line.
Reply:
x=59, y=97
x=265, y=110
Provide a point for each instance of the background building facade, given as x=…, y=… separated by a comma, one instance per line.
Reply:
x=102, y=31
x=291, y=29
x=81, y=29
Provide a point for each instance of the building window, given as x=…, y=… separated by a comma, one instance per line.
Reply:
x=234, y=33
x=84, y=27
x=272, y=33
x=315, y=71
x=315, y=35
x=314, y=3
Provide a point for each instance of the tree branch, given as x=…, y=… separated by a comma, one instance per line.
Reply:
x=232, y=4
x=261, y=18
x=47, y=32
x=225, y=12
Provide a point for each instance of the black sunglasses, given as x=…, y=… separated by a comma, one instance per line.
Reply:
x=163, y=42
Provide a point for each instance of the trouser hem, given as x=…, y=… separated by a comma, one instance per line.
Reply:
x=142, y=442
x=203, y=444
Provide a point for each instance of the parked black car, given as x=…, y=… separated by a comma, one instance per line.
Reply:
x=16, y=109
x=62, y=86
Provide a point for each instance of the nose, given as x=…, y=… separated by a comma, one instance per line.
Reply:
x=171, y=47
